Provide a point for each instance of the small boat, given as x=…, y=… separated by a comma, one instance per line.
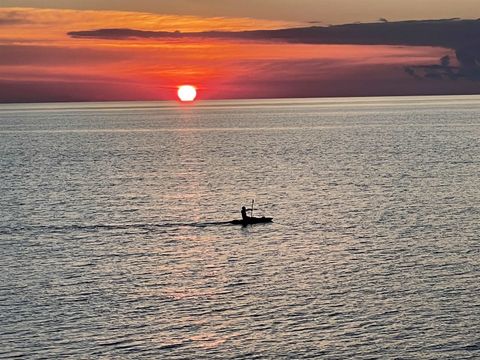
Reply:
x=252, y=220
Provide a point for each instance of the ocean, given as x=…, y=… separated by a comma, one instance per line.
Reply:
x=115, y=241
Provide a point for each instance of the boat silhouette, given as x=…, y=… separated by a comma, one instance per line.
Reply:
x=247, y=220
x=252, y=220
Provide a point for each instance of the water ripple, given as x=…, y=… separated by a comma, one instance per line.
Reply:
x=115, y=239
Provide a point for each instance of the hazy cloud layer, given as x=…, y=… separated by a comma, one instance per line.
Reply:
x=12, y=17
x=468, y=58
x=329, y=11
x=23, y=55
x=450, y=33
x=463, y=36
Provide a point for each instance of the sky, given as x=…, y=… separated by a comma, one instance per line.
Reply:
x=85, y=50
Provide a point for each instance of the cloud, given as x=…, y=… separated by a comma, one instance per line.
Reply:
x=462, y=36
x=144, y=57
x=12, y=17
x=468, y=67
x=74, y=90
x=21, y=55
x=64, y=19
x=449, y=33
x=287, y=79
x=124, y=34
x=411, y=71
x=469, y=59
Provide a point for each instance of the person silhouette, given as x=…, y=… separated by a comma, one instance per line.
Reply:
x=244, y=213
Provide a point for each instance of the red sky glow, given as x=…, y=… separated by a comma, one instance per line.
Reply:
x=41, y=62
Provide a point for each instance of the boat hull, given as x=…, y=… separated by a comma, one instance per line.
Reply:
x=253, y=220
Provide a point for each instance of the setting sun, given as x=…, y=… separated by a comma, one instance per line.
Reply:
x=187, y=93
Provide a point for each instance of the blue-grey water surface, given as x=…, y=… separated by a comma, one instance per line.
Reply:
x=113, y=242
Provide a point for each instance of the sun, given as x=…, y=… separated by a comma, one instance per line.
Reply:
x=187, y=93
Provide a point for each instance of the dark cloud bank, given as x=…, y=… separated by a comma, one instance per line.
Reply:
x=462, y=36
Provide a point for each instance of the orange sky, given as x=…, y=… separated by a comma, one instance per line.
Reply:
x=325, y=11
x=40, y=62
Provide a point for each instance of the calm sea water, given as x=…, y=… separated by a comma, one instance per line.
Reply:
x=113, y=244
